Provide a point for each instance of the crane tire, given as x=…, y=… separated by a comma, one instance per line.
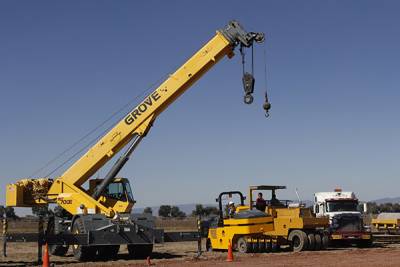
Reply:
x=82, y=253
x=140, y=251
x=54, y=228
x=108, y=251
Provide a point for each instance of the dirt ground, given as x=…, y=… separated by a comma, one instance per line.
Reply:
x=184, y=254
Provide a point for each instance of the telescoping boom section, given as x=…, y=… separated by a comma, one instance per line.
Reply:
x=67, y=190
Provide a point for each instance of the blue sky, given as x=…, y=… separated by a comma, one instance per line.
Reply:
x=333, y=70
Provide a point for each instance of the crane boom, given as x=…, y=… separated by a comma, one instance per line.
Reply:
x=97, y=220
x=67, y=189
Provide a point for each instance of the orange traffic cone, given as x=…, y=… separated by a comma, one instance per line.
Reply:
x=46, y=259
x=230, y=253
x=148, y=261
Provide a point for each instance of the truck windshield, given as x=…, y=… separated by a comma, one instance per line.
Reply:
x=345, y=205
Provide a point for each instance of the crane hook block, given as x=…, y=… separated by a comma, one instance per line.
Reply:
x=248, y=86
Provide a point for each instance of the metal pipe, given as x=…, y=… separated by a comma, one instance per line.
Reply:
x=116, y=167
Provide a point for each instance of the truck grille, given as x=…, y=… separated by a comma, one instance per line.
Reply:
x=347, y=223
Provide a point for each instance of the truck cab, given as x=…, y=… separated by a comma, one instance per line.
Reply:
x=345, y=220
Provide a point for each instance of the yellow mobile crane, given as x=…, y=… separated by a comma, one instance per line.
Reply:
x=97, y=221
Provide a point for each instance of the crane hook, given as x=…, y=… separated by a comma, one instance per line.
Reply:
x=266, y=105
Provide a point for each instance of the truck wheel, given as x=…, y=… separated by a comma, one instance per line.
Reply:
x=299, y=240
x=325, y=241
x=54, y=228
x=318, y=242
x=82, y=253
x=311, y=241
x=108, y=252
x=243, y=246
x=140, y=251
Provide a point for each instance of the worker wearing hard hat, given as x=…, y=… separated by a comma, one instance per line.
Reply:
x=231, y=208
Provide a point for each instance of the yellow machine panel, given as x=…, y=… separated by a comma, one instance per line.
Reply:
x=239, y=228
x=27, y=192
x=291, y=221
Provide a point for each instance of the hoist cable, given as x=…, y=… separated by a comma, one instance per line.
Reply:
x=94, y=130
x=252, y=60
x=265, y=72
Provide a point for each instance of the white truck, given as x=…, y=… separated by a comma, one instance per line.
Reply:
x=346, y=224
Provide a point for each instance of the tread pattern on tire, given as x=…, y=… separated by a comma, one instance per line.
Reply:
x=82, y=253
x=311, y=241
x=318, y=242
x=300, y=237
x=54, y=228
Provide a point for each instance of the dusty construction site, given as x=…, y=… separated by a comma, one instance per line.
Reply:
x=186, y=253
x=83, y=78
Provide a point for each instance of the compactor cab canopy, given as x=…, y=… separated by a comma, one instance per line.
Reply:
x=272, y=201
x=225, y=207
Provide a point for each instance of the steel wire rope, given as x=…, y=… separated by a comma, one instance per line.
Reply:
x=125, y=106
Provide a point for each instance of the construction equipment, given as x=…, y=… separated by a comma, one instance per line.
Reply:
x=385, y=228
x=242, y=228
x=387, y=223
x=346, y=224
x=97, y=220
x=294, y=224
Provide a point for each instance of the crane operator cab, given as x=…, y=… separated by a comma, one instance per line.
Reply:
x=117, y=194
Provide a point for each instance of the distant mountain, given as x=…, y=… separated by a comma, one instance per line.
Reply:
x=387, y=200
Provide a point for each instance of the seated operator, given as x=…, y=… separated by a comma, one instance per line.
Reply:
x=274, y=201
x=261, y=204
x=231, y=209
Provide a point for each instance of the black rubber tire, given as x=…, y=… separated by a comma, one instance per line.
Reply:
x=55, y=228
x=82, y=253
x=242, y=245
x=324, y=241
x=318, y=242
x=299, y=240
x=140, y=251
x=268, y=246
x=275, y=247
x=311, y=241
x=107, y=252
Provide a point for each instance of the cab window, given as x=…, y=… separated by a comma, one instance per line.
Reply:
x=116, y=191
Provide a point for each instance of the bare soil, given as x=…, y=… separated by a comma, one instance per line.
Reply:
x=184, y=254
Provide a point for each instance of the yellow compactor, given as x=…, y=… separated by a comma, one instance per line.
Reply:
x=293, y=224
x=244, y=228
